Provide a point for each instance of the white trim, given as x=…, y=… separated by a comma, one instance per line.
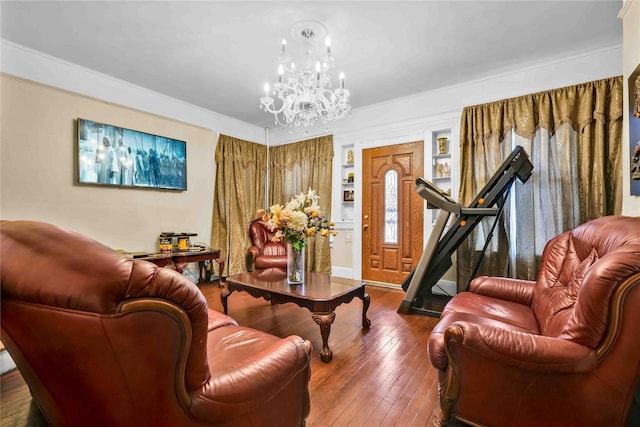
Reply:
x=445, y=287
x=36, y=66
x=625, y=7
x=6, y=362
x=345, y=273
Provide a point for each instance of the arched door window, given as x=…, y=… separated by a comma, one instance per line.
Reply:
x=391, y=207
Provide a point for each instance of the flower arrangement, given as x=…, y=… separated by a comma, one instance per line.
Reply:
x=299, y=219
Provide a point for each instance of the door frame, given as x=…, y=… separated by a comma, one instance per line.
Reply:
x=380, y=138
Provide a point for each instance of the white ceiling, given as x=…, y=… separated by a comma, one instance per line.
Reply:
x=219, y=54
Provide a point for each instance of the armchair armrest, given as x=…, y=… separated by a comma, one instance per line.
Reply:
x=535, y=353
x=515, y=290
x=252, y=254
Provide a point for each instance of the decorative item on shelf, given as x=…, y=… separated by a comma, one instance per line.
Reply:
x=448, y=192
x=349, y=157
x=294, y=223
x=445, y=170
x=304, y=87
x=438, y=170
x=348, y=196
x=350, y=178
x=442, y=145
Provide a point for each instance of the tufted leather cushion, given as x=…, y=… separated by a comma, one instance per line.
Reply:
x=560, y=351
x=558, y=284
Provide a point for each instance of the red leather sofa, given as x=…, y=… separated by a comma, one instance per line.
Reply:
x=563, y=350
x=264, y=253
x=103, y=340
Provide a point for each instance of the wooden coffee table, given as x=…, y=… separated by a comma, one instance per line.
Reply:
x=320, y=294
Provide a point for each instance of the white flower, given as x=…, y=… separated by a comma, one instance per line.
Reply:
x=298, y=221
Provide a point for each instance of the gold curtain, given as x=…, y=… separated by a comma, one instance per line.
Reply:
x=240, y=192
x=587, y=158
x=296, y=167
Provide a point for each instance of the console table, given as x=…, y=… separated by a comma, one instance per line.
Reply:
x=178, y=260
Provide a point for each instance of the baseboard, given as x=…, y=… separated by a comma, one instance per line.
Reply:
x=445, y=287
x=6, y=362
x=345, y=273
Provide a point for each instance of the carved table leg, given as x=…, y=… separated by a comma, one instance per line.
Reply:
x=325, y=321
x=223, y=298
x=366, y=300
x=220, y=263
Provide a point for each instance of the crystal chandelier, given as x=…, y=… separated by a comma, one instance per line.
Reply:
x=303, y=90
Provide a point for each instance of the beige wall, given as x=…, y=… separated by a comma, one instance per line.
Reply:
x=630, y=60
x=38, y=171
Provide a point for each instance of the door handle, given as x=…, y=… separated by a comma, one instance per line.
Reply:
x=366, y=217
x=365, y=226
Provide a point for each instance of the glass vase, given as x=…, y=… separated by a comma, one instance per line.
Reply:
x=295, y=265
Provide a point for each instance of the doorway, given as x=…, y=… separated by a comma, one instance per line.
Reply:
x=392, y=212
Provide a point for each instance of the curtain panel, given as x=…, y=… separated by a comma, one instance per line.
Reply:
x=239, y=193
x=573, y=137
x=296, y=167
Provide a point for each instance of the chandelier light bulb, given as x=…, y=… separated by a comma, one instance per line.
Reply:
x=297, y=98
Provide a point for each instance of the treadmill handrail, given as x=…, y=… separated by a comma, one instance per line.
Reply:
x=437, y=199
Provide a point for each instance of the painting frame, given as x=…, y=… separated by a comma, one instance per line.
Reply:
x=113, y=156
x=634, y=132
x=348, y=196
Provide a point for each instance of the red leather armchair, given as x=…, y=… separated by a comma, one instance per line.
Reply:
x=264, y=253
x=560, y=351
x=103, y=340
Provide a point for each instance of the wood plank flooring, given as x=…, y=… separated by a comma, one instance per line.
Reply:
x=378, y=377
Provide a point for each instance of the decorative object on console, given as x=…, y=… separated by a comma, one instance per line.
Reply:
x=299, y=219
x=169, y=241
x=304, y=87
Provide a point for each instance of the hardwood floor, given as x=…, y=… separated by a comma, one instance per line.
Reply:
x=378, y=377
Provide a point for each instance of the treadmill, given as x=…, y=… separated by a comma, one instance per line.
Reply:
x=436, y=257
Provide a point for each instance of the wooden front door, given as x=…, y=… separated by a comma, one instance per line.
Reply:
x=392, y=212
